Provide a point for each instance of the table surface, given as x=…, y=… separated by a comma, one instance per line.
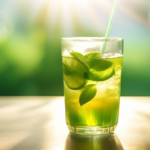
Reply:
x=38, y=123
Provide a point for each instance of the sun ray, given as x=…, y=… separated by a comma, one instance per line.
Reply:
x=87, y=16
x=132, y=14
x=54, y=12
x=92, y=15
x=67, y=25
x=37, y=7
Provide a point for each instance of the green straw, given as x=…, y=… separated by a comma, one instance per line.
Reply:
x=109, y=24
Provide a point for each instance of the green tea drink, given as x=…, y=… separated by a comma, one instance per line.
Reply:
x=92, y=83
x=92, y=90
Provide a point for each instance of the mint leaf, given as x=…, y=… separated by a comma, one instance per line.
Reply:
x=87, y=62
x=93, y=55
x=99, y=75
x=100, y=64
x=67, y=70
x=100, y=70
x=88, y=94
x=75, y=54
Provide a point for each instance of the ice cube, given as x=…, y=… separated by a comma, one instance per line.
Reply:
x=91, y=49
x=111, y=55
x=108, y=55
x=66, y=52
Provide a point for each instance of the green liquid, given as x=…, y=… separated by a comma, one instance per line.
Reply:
x=103, y=109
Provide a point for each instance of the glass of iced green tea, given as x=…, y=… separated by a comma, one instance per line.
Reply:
x=92, y=83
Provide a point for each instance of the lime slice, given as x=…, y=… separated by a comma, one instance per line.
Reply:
x=74, y=71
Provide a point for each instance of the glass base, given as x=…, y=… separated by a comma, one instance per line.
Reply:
x=92, y=130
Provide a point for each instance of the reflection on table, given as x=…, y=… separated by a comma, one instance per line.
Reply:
x=93, y=142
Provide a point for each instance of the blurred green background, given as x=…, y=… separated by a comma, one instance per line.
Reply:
x=30, y=33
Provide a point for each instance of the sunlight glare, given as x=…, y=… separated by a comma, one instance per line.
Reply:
x=67, y=20
x=73, y=1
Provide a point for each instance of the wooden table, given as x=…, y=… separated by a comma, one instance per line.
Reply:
x=38, y=123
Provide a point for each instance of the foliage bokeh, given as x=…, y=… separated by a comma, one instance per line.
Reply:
x=30, y=50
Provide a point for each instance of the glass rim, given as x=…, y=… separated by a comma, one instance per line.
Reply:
x=98, y=39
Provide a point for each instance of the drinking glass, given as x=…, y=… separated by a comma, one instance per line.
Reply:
x=92, y=83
